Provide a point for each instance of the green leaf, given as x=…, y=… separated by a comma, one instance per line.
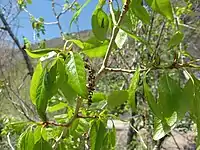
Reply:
x=121, y=38
x=169, y=95
x=41, y=52
x=117, y=98
x=160, y=129
x=151, y=101
x=42, y=145
x=52, y=79
x=92, y=47
x=97, y=96
x=97, y=134
x=57, y=107
x=195, y=88
x=113, y=137
x=140, y=11
x=95, y=48
x=26, y=140
x=21, y=141
x=176, y=39
x=195, y=110
x=133, y=36
x=78, y=12
x=132, y=89
x=93, y=134
x=76, y=74
x=106, y=142
x=61, y=72
x=38, y=133
x=68, y=92
x=97, y=51
x=78, y=43
x=171, y=120
x=100, y=24
x=186, y=98
x=29, y=1
x=35, y=82
x=61, y=146
x=64, y=86
x=163, y=7
x=43, y=95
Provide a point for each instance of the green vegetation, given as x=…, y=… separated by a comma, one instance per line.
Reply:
x=136, y=61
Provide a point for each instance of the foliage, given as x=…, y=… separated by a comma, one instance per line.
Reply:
x=62, y=86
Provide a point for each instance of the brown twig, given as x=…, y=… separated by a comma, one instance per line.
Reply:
x=26, y=58
x=57, y=16
x=173, y=66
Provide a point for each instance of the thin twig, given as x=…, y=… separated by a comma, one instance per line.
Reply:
x=46, y=23
x=57, y=16
x=26, y=58
x=57, y=140
x=9, y=142
x=160, y=35
x=113, y=36
x=178, y=147
x=150, y=28
x=74, y=117
x=173, y=66
x=141, y=139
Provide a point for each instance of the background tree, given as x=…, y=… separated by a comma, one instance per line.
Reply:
x=136, y=61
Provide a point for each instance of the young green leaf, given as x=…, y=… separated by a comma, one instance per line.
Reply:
x=140, y=11
x=42, y=145
x=57, y=107
x=117, y=98
x=172, y=119
x=133, y=36
x=29, y=1
x=151, y=101
x=38, y=133
x=93, y=134
x=132, y=89
x=163, y=7
x=96, y=52
x=160, y=129
x=61, y=72
x=68, y=92
x=113, y=137
x=51, y=79
x=79, y=43
x=26, y=140
x=97, y=96
x=42, y=95
x=46, y=88
x=35, y=82
x=186, y=99
x=176, y=39
x=64, y=86
x=169, y=95
x=41, y=52
x=121, y=38
x=76, y=74
x=97, y=134
x=100, y=24
x=92, y=47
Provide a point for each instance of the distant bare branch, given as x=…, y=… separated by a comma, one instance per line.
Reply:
x=26, y=58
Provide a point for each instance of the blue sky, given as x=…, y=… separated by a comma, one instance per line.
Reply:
x=43, y=8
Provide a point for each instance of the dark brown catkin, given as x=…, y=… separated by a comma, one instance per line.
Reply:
x=91, y=82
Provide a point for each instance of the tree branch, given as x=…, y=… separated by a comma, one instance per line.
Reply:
x=113, y=36
x=26, y=58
